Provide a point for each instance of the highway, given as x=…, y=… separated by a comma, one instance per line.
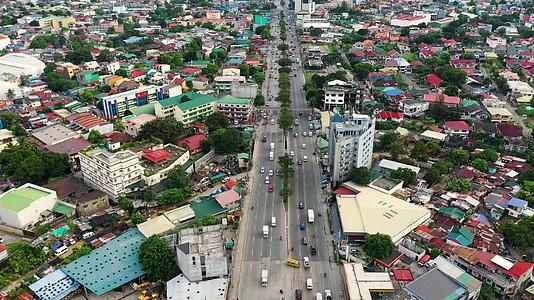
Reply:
x=271, y=253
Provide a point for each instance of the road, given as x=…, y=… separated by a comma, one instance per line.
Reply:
x=271, y=253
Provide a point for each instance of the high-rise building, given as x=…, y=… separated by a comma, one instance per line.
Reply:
x=351, y=144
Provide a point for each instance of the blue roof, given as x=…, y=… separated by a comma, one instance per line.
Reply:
x=482, y=218
x=56, y=285
x=111, y=265
x=516, y=202
x=393, y=92
x=336, y=118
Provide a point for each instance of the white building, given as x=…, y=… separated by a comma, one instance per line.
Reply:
x=117, y=104
x=23, y=206
x=408, y=21
x=113, y=173
x=338, y=93
x=200, y=253
x=351, y=144
x=21, y=64
x=4, y=41
x=132, y=126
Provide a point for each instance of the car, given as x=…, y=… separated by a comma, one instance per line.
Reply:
x=313, y=250
x=301, y=205
x=327, y=295
x=72, y=241
x=270, y=190
x=302, y=225
x=2, y=240
x=310, y=133
x=267, y=180
x=300, y=162
x=262, y=170
x=296, y=134
x=271, y=172
x=291, y=153
x=304, y=241
x=303, y=146
x=300, y=113
x=298, y=294
x=264, y=139
x=304, y=133
x=87, y=234
x=305, y=158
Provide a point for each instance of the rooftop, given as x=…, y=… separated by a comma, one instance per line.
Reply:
x=110, y=266
x=229, y=99
x=434, y=284
x=180, y=214
x=180, y=288
x=207, y=242
x=53, y=134
x=157, y=225
x=54, y=286
x=360, y=284
x=18, y=199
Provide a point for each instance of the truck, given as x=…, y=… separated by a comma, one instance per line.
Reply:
x=264, y=277
x=265, y=231
x=271, y=155
x=311, y=216
x=272, y=146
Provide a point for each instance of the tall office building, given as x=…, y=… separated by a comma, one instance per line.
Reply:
x=351, y=144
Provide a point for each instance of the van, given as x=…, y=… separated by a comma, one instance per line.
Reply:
x=61, y=250
x=309, y=284
x=273, y=221
x=293, y=262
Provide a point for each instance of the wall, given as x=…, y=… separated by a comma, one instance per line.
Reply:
x=202, y=161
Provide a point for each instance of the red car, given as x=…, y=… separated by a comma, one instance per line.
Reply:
x=270, y=189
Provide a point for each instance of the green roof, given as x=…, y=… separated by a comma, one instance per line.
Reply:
x=18, y=199
x=321, y=143
x=170, y=101
x=467, y=103
x=64, y=209
x=196, y=100
x=452, y=212
x=243, y=156
x=110, y=266
x=207, y=208
x=143, y=109
x=229, y=99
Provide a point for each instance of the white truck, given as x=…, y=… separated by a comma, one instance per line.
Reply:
x=265, y=231
x=271, y=155
x=264, y=277
x=272, y=146
x=311, y=216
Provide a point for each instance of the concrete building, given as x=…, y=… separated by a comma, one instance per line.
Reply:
x=180, y=288
x=360, y=284
x=4, y=41
x=224, y=83
x=160, y=160
x=54, y=134
x=235, y=109
x=23, y=206
x=117, y=104
x=338, y=93
x=56, y=22
x=351, y=144
x=244, y=90
x=21, y=64
x=409, y=21
x=113, y=173
x=186, y=108
x=133, y=125
x=200, y=253
x=364, y=210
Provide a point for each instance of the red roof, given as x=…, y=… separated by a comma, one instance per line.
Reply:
x=157, y=155
x=520, y=268
x=403, y=275
x=344, y=191
x=2, y=248
x=457, y=125
x=190, y=70
x=516, y=271
x=441, y=97
x=509, y=130
x=389, y=115
x=192, y=142
x=86, y=120
x=434, y=80
x=230, y=183
x=424, y=259
x=137, y=73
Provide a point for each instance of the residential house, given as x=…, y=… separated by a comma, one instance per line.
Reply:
x=413, y=108
x=237, y=110
x=224, y=83
x=458, y=128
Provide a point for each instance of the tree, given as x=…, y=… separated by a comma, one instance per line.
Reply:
x=158, y=260
x=519, y=235
x=121, y=72
x=167, y=129
x=95, y=137
x=361, y=175
x=226, y=140
x=456, y=184
x=126, y=204
x=378, y=245
x=458, y=157
x=18, y=130
x=451, y=90
x=452, y=75
x=56, y=83
x=10, y=94
x=285, y=119
x=361, y=70
x=105, y=56
x=502, y=85
x=175, y=196
x=177, y=178
x=408, y=176
x=205, y=146
x=486, y=293
x=419, y=151
x=259, y=100
x=137, y=218
x=215, y=121
x=283, y=47
x=397, y=148
x=480, y=165
x=316, y=32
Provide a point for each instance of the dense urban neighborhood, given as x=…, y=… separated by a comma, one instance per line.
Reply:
x=266, y=149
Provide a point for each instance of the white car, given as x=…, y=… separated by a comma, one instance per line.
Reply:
x=296, y=134
x=271, y=172
x=304, y=133
x=291, y=153
x=303, y=146
x=262, y=170
x=310, y=133
x=267, y=180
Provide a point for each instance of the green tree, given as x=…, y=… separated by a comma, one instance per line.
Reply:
x=502, y=85
x=480, y=165
x=488, y=155
x=177, y=178
x=284, y=62
x=378, y=245
x=283, y=47
x=361, y=70
x=175, y=196
x=137, y=218
x=126, y=204
x=167, y=129
x=456, y=184
x=519, y=235
x=105, y=56
x=285, y=119
x=361, y=175
x=216, y=121
x=226, y=140
x=408, y=176
x=205, y=146
x=158, y=260
x=10, y=94
x=259, y=100
x=397, y=148
x=95, y=137
x=18, y=130
x=451, y=90
x=458, y=157
x=419, y=151
x=56, y=83
x=121, y=72
x=486, y=293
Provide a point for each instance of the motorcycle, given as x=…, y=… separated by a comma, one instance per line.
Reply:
x=280, y=237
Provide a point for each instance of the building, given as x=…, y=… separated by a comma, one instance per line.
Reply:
x=54, y=134
x=55, y=286
x=387, y=166
x=180, y=288
x=360, y=284
x=458, y=128
x=351, y=144
x=414, y=108
x=56, y=22
x=85, y=122
x=338, y=93
x=20, y=64
x=104, y=26
x=75, y=191
x=235, y=109
x=409, y=21
x=504, y=276
x=224, y=83
x=133, y=125
x=200, y=253
x=160, y=160
x=23, y=206
x=116, y=105
x=113, y=173
x=247, y=90
x=186, y=108
x=444, y=281
x=4, y=41
x=364, y=210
